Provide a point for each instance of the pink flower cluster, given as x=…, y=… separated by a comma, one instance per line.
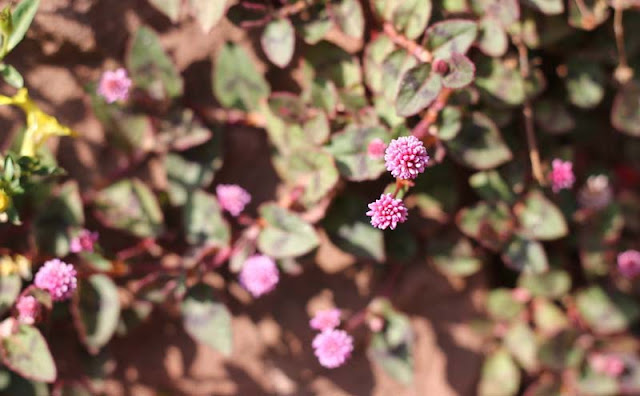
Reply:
x=58, y=278
x=114, y=85
x=629, y=263
x=406, y=157
x=387, y=212
x=331, y=346
x=83, y=242
x=232, y=198
x=375, y=149
x=259, y=275
x=561, y=175
x=609, y=365
x=28, y=309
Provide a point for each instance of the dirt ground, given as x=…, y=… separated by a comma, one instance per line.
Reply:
x=71, y=42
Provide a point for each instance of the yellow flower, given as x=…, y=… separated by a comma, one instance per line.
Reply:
x=7, y=266
x=40, y=126
x=22, y=266
x=5, y=200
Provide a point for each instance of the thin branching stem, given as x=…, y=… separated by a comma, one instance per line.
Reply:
x=411, y=46
x=618, y=30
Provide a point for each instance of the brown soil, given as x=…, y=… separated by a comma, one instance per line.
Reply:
x=71, y=42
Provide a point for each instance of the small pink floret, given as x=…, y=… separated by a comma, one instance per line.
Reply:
x=629, y=263
x=326, y=319
x=387, y=212
x=375, y=149
x=232, y=198
x=28, y=309
x=333, y=347
x=259, y=275
x=406, y=157
x=58, y=278
x=561, y=175
x=114, y=85
x=83, y=242
x=609, y=365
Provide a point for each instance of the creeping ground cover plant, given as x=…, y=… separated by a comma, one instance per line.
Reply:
x=477, y=142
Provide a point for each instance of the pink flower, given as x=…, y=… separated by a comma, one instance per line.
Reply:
x=326, y=319
x=259, y=275
x=406, y=157
x=609, y=365
x=58, y=278
x=232, y=198
x=84, y=241
x=114, y=85
x=333, y=347
x=28, y=309
x=561, y=175
x=521, y=295
x=387, y=212
x=376, y=148
x=629, y=263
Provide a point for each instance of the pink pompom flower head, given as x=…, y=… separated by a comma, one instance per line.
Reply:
x=406, y=157
x=333, y=347
x=326, y=319
x=561, y=175
x=232, y=198
x=58, y=278
x=28, y=309
x=387, y=212
x=259, y=275
x=83, y=242
x=375, y=149
x=629, y=263
x=114, y=85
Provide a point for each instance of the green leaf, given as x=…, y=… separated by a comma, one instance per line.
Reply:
x=553, y=116
x=129, y=205
x=285, y=234
x=314, y=170
x=491, y=186
x=461, y=72
x=501, y=305
x=26, y=352
x=489, y=224
x=208, y=12
x=10, y=286
x=349, y=17
x=350, y=150
x=314, y=25
x=203, y=221
x=278, y=42
x=503, y=12
x=548, y=317
x=606, y=313
x=11, y=76
x=394, y=67
x=588, y=14
x=392, y=348
x=450, y=122
x=454, y=255
x=348, y=227
x=552, y=284
x=236, y=81
x=171, y=8
x=525, y=255
x=500, y=81
x=585, y=83
x=493, y=39
x=419, y=87
x=185, y=177
x=548, y=7
x=520, y=340
x=561, y=351
x=479, y=144
x=207, y=320
x=625, y=113
x=453, y=35
x=411, y=17
x=500, y=376
x=181, y=130
x=96, y=309
x=376, y=52
x=22, y=16
x=539, y=218
x=151, y=68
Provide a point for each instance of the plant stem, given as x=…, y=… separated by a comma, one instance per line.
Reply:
x=411, y=46
x=618, y=30
x=527, y=111
x=431, y=115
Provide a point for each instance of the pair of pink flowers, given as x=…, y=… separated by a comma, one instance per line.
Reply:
x=332, y=346
x=58, y=279
x=405, y=158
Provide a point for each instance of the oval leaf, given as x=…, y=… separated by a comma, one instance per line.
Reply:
x=419, y=87
x=278, y=42
x=26, y=352
x=461, y=72
x=453, y=35
x=285, y=234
